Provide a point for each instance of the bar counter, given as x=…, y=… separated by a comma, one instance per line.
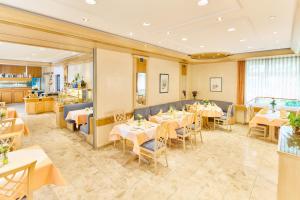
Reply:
x=35, y=105
x=289, y=164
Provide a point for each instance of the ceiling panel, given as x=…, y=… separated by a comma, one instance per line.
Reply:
x=181, y=19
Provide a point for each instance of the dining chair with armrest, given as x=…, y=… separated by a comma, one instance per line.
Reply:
x=119, y=118
x=155, y=147
x=17, y=183
x=196, y=128
x=184, y=133
x=258, y=129
x=7, y=125
x=225, y=119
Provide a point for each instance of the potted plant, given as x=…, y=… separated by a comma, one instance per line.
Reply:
x=205, y=102
x=194, y=93
x=294, y=121
x=2, y=114
x=273, y=104
x=83, y=84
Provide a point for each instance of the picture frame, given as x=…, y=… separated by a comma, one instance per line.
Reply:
x=163, y=83
x=216, y=84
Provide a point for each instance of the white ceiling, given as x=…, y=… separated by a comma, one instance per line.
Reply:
x=11, y=51
x=183, y=19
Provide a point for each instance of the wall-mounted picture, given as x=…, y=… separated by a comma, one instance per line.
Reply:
x=164, y=83
x=215, y=84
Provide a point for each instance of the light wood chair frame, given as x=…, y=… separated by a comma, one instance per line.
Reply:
x=120, y=117
x=197, y=128
x=11, y=140
x=7, y=125
x=21, y=178
x=259, y=128
x=218, y=121
x=186, y=134
x=160, y=146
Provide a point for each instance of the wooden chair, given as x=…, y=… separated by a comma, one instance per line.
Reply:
x=17, y=183
x=259, y=129
x=224, y=120
x=12, y=140
x=183, y=133
x=2, y=104
x=196, y=127
x=7, y=125
x=120, y=117
x=156, y=147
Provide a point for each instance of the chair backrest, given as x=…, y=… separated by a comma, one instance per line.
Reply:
x=250, y=112
x=17, y=183
x=229, y=111
x=161, y=136
x=10, y=140
x=198, y=119
x=7, y=125
x=2, y=104
x=120, y=116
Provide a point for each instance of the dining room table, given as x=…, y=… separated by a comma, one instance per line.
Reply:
x=206, y=111
x=45, y=172
x=136, y=131
x=79, y=116
x=272, y=119
x=174, y=119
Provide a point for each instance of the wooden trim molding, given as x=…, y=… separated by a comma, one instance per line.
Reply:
x=24, y=63
x=109, y=120
x=82, y=58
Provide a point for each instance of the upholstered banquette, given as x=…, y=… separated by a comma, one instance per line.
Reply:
x=78, y=106
x=86, y=128
x=145, y=112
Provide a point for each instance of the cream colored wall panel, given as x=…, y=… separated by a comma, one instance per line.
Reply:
x=199, y=80
x=155, y=68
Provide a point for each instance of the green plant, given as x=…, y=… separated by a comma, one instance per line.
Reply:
x=273, y=104
x=3, y=151
x=294, y=120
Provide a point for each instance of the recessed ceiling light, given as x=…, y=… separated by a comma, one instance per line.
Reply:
x=202, y=2
x=272, y=17
x=231, y=29
x=85, y=19
x=242, y=40
x=130, y=34
x=202, y=46
x=91, y=2
x=168, y=33
x=220, y=19
x=184, y=39
x=146, y=24
x=274, y=32
x=159, y=42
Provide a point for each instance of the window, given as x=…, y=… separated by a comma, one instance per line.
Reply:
x=277, y=77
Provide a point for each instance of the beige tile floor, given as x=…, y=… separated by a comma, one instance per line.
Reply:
x=226, y=166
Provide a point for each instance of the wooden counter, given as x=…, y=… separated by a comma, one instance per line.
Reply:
x=35, y=105
x=289, y=165
x=13, y=95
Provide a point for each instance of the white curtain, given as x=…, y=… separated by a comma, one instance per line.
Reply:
x=277, y=77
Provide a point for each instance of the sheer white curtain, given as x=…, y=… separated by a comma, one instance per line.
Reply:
x=273, y=77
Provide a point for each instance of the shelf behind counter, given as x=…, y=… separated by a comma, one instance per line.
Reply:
x=13, y=95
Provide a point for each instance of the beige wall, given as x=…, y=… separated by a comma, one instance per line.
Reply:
x=156, y=67
x=84, y=69
x=115, y=85
x=199, y=80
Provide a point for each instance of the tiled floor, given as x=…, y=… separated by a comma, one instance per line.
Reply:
x=226, y=166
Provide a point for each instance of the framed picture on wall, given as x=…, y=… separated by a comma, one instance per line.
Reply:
x=215, y=84
x=163, y=83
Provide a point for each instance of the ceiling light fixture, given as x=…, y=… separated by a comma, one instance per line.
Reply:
x=146, y=24
x=168, y=33
x=130, y=34
x=202, y=46
x=274, y=32
x=220, y=19
x=202, y=2
x=90, y=2
x=272, y=17
x=184, y=39
x=242, y=40
x=231, y=29
x=85, y=19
